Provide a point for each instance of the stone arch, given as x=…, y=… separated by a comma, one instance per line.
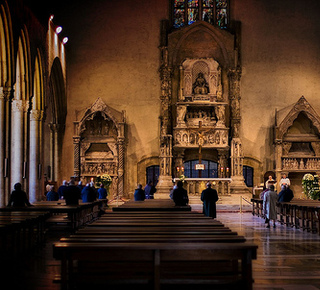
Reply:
x=296, y=152
x=6, y=72
x=6, y=47
x=217, y=35
x=99, y=144
x=20, y=109
x=301, y=106
x=35, y=132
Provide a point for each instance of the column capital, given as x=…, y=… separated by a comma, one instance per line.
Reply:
x=36, y=115
x=20, y=105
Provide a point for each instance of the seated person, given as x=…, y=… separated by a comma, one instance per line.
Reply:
x=18, y=197
x=72, y=194
x=51, y=194
x=88, y=194
x=102, y=192
x=139, y=194
x=180, y=195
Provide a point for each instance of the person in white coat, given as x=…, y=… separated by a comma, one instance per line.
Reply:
x=270, y=206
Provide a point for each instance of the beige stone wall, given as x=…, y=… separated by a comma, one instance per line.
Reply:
x=280, y=63
x=113, y=54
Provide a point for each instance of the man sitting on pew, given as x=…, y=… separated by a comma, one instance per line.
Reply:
x=18, y=197
x=139, y=194
x=286, y=194
x=180, y=195
x=72, y=194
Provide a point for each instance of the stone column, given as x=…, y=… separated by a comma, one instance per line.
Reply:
x=76, y=156
x=121, y=166
x=35, y=166
x=165, y=144
x=278, y=155
x=4, y=97
x=19, y=107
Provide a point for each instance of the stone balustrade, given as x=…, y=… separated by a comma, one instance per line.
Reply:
x=194, y=186
x=301, y=164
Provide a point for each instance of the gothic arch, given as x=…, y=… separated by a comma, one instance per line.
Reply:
x=221, y=38
x=99, y=144
x=301, y=106
x=297, y=141
x=6, y=47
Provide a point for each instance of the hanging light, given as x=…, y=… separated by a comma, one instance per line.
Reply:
x=51, y=17
x=58, y=29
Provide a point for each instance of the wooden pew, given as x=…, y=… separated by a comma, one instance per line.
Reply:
x=21, y=232
x=163, y=261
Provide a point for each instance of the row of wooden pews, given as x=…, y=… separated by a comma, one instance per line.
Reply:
x=21, y=232
x=153, y=250
x=298, y=213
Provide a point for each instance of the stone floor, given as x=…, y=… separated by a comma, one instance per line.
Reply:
x=287, y=258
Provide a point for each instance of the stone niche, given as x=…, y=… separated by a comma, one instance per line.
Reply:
x=297, y=143
x=99, y=145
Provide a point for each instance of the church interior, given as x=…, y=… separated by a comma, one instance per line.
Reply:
x=223, y=91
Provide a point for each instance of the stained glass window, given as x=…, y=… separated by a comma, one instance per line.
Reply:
x=186, y=12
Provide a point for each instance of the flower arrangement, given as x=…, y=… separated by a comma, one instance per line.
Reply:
x=105, y=179
x=182, y=177
x=310, y=185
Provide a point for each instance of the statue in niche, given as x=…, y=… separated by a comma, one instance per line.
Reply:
x=200, y=86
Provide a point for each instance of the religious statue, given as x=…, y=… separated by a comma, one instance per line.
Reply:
x=200, y=86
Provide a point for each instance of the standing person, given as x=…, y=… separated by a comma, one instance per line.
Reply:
x=209, y=198
x=150, y=190
x=62, y=189
x=88, y=194
x=180, y=195
x=270, y=181
x=80, y=185
x=139, y=194
x=284, y=180
x=270, y=206
x=18, y=197
x=72, y=194
x=52, y=195
x=102, y=192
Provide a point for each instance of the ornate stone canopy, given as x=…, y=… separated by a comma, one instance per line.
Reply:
x=99, y=144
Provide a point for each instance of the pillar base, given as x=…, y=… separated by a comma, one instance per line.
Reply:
x=163, y=187
x=238, y=186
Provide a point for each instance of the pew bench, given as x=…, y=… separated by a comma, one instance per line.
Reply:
x=90, y=263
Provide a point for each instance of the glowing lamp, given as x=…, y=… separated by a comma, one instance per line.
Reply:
x=58, y=29
x=65, y=40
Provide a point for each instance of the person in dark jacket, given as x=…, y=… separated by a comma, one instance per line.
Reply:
x=88, y=194
x=139, y=194
x=72, y=194
x=52, y=195
x=286, y=194
x=209, y=197
x=18, y=197
x=62, y=189
x=150, y=190
x=102, y=192
x=180, y=195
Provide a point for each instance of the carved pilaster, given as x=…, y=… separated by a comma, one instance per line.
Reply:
x=121, y=166
x=76, y=152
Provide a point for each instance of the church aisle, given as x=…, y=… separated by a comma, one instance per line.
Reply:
x=287, y=258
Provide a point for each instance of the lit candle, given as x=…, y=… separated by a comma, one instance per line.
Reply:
x=221, y=169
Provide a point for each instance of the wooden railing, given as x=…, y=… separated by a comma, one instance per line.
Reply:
x=194, y=186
